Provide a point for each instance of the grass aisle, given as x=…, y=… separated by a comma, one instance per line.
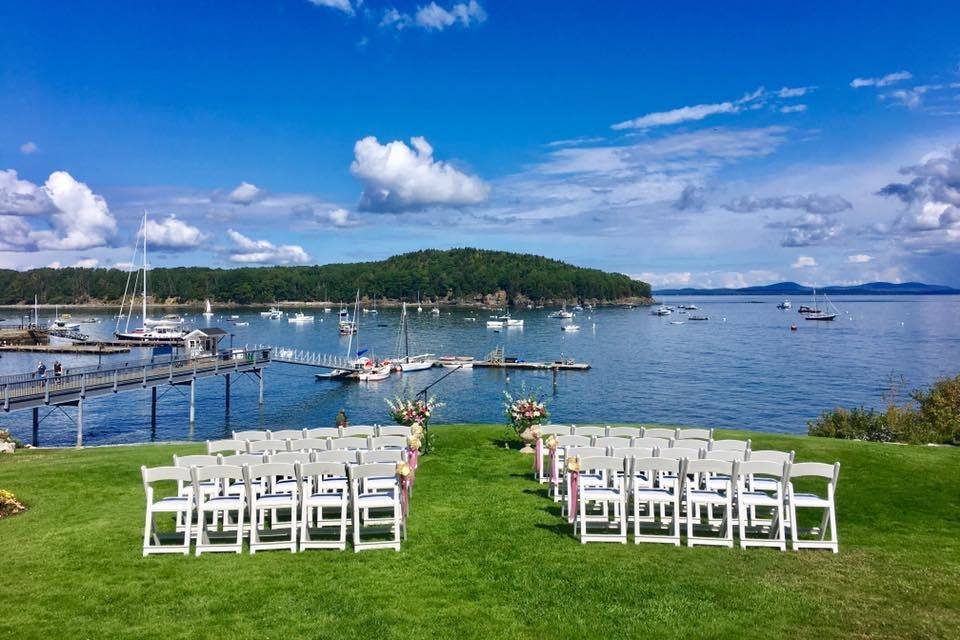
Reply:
x=488, y=556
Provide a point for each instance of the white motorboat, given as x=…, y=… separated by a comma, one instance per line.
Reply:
x=453, y=362
x=435, y=311
x=376, y=374
x=237, y=323
x=62, y=323
x=276, y=316
x=570, y=327
x=327, y=309
x=299, y=318
x=562, y=314
x=577, y=308
x=784, y=305
x=495, y=323
x=207, y=309
x=414, y=365
x=661, y=311
x=167, y=330
x=271, y=312
x=508, y=321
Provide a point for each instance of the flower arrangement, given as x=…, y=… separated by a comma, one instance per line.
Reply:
x=412, y=411
x=524, y=413
x=9, y=505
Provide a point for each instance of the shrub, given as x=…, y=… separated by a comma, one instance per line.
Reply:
x=939, y=410
x=851, y=424
x=9, y=505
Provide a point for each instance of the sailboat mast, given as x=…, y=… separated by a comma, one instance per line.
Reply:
x=406, y=333
x=144, y=267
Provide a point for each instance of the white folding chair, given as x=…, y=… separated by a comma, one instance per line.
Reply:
x=287, y=434
x=657, y=493
x=180, y=504
x=766, y=483
x=266, y=447
x=343, y=457
x=611, y=495
x=697, y=496
x=809, y=500
x=239, y=488
x=694, y=434
x=208, y=487
x=624, y=432
x=690, y=443
x=556, y=430
x=658, y=432
x=322, y=487
x=556, y=474
x=747, y=501
x=395, y=430
x=653, y=443
x=253, y=434
x=587, y=478
x=676, y=453
x=349, y=443
x=217, y=505
x=730, y=445
x=388, y=442
x=612, y=442
x=365, y=501
x=226, y=446
x=288, y=483
x=322, y=432
x=546, y=431
x=271, y=501
x=629, y=454
x=589, y=430
x=383, y=455
x=308, y=444
x=719, y=481
x=361, y=430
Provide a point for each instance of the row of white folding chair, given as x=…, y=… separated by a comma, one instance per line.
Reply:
x=630, y=432
x=653, y=482
x=267, y=487
x=306, y=444
x=324, y=432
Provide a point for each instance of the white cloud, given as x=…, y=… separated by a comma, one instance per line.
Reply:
x=693, y=113
x=172, y=233
x=804, y=262
x=859, y=258
x=339, y=5
x=86, y=263
x=794, y=92
x=399, y=178
x=21, y=197
x=709, y=279
x=29, y=147
x=14, y=233
x=811, y=203
x=246, y=193
x=81, y=219
x=669, y=280
x=433, y=16
x=339, y=217
x=793, y=108
x=882, y=81
x=250, y=251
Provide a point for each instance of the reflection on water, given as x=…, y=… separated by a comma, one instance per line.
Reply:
x=742, y=368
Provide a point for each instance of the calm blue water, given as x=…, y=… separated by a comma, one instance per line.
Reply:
x=743, y=368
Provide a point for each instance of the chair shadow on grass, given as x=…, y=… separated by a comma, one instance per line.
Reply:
x=503, y=443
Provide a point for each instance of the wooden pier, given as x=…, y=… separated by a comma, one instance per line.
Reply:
x=497, y=360
x=79, y=348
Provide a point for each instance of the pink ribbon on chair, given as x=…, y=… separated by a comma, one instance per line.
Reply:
x=553, y=465
x=574, y=495
x=413, y=457
x=538, y=458
x=405, y=482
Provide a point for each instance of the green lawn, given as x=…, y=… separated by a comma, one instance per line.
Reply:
x=488, y=556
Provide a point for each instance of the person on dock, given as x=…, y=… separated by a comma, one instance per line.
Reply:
x=57, y=369
x=342, y=419
x=41, y=369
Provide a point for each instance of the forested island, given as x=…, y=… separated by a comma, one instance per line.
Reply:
x=456, y=276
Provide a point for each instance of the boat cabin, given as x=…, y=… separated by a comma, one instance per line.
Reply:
x=203, y=342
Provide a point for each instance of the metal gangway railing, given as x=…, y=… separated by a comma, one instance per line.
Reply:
x=312, y=359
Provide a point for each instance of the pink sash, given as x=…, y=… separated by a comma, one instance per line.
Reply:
x=538, y=459
x=574, y=495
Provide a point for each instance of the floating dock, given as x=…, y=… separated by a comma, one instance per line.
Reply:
x=559, y=365
x=82, y=348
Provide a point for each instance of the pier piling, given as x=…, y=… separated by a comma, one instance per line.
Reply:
x=79, y=423
x=192, y=401
x=226, y=379
x=36, y=426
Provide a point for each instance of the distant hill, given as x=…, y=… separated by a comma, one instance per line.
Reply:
x=457, y=275
x=794, y=289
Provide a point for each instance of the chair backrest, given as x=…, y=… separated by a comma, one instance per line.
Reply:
x=725, y=454
x=353, y=443
x=269, y=471
x=362, y=430
x=388, y=442
x=730, y=445
x=289, y=457
x=374, y=469
x=611, y=442
x=217, y=472
x=677, y=453
x=771, y=455
x=253, y=434
x=160, y=474
x=342, y=456
x=602, y=463
x=711, y=466
x=241, y=459
x=657, y=465
x=573, y=441
x=319, y=470
x=308, y=444
x=266, y=446
x=687, y=443
x=395, y=430
x=625, y=432
x=695, y=434
x=323, y=432
x=778, y=470
x=383, y=455
x=230, y=446
x=658, y=432
x=589, y=430
x=287, y=434
x=556, y=430
x=195, y=461
x=634, y=452
x=589, y=452
x=659, y=443
x=815, y=469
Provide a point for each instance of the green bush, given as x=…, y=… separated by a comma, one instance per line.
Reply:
x=932, y=417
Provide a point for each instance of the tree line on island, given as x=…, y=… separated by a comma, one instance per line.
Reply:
x=457, y=275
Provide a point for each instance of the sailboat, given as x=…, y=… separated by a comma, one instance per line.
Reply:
x=165, y=331
x=563, y=314
x=813, y=313
x=207, y=309
x=407, y=363
x=419, y=308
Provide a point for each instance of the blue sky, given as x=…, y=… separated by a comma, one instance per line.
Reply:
x=687, y=144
